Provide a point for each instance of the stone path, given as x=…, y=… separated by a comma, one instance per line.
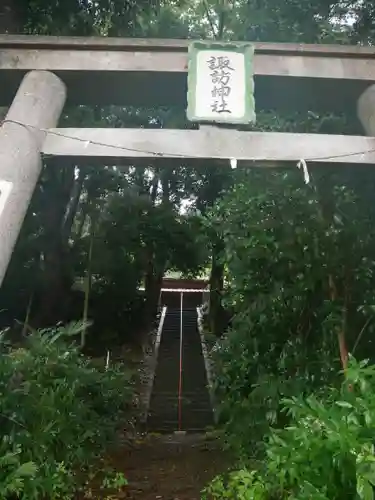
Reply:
x=173, y=467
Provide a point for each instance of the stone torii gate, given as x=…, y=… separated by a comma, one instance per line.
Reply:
x=38, y=74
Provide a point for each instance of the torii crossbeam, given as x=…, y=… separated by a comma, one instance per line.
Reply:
x=38, y=74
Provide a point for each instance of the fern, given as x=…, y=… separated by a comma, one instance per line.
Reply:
x=56, y=413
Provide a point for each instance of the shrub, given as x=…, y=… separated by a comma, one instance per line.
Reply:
x=250, y=385
x=57, y=415
x=297, y=275
x=326, y=453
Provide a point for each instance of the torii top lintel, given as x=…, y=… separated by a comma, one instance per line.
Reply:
x=153, y=71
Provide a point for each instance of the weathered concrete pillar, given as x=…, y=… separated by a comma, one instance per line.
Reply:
x=366, y=110
x=38, y=103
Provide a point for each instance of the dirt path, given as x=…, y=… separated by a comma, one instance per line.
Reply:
x=170, y=467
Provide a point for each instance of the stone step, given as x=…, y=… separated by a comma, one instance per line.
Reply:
x=168, y=384
x=191, y=405
x=204, y=415
x=165, y=424
x=170, y=395
x=196, y=409
x=172, y=386
x=198, y=396
x=168, y=426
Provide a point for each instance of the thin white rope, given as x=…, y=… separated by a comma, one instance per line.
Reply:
x=164, y=154
x=233, y=163
x=302, y=165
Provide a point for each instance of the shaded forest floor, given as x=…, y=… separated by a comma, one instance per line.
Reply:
x=170, y=467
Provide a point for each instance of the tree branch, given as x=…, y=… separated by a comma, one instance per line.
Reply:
x=209, y=18
x=222, y=17
x=361, y=334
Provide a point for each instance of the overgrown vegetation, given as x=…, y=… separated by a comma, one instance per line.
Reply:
x=58, y=415
x=291, y=270
x=326, y=452
x=299, y=282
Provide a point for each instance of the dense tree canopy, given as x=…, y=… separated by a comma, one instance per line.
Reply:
x=92, y=206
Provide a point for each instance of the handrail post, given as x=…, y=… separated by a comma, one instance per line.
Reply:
x=180, y=365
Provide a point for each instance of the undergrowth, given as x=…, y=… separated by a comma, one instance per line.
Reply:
x=58, y=414
x=325, y=452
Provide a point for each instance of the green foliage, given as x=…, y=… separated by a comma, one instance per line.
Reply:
x=325, y=453
x=75, y=17
x=277, y=240
x=57, y=415
x=285, y=244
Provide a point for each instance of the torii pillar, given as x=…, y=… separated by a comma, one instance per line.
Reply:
x=366, y=110
x=37, y=105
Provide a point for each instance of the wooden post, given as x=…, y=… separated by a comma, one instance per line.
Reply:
x=37, y=105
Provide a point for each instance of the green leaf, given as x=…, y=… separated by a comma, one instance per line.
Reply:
x=27, y=469
x=344, y=404
x=364, y=489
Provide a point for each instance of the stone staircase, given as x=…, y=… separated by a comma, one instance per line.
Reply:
x=196, y=408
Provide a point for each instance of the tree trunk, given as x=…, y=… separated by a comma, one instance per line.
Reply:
x=155, y=262
x=73, y=206
x=216, y=311
x=327, y=209
x=57, y=278
x=88, y=283
x=153, y=283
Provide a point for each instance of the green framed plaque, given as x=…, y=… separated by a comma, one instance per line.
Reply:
x=221, y=83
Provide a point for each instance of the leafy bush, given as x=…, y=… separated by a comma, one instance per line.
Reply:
x=299, y=273
x=326, y=453
x=251, y=383
x=57, y=414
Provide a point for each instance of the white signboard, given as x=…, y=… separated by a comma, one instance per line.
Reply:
x=220, y=83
